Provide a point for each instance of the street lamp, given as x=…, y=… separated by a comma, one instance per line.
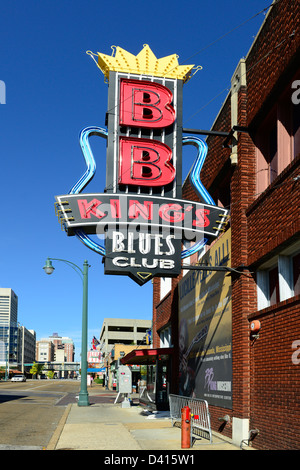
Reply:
x=83, y=399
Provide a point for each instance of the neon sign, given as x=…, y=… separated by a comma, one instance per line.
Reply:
x=141, y=213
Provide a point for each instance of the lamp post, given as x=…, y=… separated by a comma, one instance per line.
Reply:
x=83, y=399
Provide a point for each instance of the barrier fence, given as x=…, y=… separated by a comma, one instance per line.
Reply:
x=200, y=419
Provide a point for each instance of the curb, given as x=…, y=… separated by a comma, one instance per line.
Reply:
x=55, y=438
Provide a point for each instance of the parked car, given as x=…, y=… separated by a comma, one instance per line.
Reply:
x=18, y=378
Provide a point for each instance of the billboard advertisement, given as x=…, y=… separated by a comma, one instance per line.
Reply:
x=205, y=329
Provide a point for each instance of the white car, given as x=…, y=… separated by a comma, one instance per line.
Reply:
x=18, y=378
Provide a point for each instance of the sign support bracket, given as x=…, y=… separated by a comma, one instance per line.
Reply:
x=228, y=135
x=214, y=268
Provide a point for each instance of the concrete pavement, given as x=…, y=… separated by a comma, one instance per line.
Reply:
x=107, y=426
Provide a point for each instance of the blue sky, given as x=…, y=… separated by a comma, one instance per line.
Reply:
x=53, y=90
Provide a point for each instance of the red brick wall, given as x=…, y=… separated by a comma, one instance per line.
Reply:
x=272, y=224
x=272, y=55
x=275, y=379
x=217, y=154
x=271, y=220
x=243, y=286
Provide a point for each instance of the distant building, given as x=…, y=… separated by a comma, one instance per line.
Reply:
x=8, y=305
x=124, y=331
x=69, y=349
x=55, y=348
x=60, y=355
x=27, y=346
x=17, y=344
x=44, y=351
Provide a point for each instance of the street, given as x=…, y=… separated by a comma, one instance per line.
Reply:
x=30, y=411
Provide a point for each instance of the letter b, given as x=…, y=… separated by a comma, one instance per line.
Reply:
x=145, y=162
x=145, y=104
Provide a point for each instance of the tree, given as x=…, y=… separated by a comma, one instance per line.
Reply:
x=36, y=369
x=50, y=374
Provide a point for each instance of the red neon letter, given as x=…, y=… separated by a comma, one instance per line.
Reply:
x=145, y=104
x=88, y=208
x=202, y=220
x=115, y=208
x=136, y=209
x=165, y=209
x=145, y=162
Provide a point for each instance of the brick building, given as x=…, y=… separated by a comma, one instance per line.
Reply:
x=254, y=172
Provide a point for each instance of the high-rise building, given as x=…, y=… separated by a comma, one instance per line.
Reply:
x=17, y=344
x=8, y=305
x=9, y=337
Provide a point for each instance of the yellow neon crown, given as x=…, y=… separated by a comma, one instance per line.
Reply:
x=145, y=63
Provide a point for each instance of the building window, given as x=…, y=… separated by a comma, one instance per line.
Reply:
x=296, y=273
x=277, y=140
x=165, y=338
x=273, y=286
x=296, y=129
x=272, y=156
x=279, y=280
x=266, y=153
x=165, y=286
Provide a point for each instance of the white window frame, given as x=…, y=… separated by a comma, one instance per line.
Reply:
x=165, y=337
x=284, y=261
x=165, y=286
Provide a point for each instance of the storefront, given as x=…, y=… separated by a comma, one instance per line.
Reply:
x=155, y=365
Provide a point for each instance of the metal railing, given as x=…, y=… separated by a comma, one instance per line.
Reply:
x=200, y=419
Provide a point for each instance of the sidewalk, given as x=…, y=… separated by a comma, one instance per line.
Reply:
x=109, y=426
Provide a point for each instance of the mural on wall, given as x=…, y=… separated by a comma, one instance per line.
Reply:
x=205, y=334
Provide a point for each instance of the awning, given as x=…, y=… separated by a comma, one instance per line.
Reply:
x=95, y=370
x=146, y=356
